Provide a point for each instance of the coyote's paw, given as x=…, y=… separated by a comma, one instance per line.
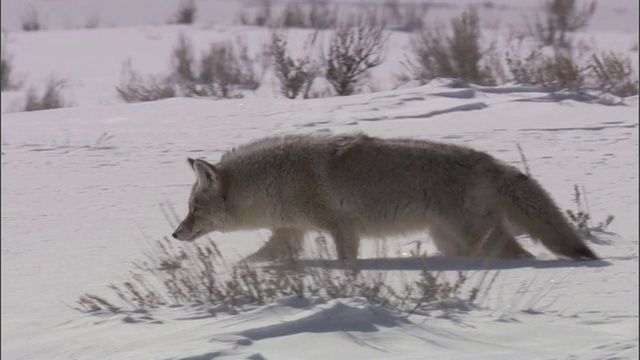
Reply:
x=260, y=256
x=271, y=253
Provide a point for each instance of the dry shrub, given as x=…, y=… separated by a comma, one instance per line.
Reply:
x=7, y=73
x=262, y=16
x=573, y=69
x=293, y=16
x=559, y=18
x=613, y=74
x=555, y=69
x=406, y=17
x=321, y=16
x=50, y=98
x=93, y=21
x=581, y=217
x=222, y=71
x=31, y=21
x=182, y=60
x=7, y=81
x=296, y=76
x=199, y=274
x=186, y=13
x=135, y=88
x=225, y=69
x=357, y=45
x=460, y=55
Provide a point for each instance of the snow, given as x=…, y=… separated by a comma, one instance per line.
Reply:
x=82, y=189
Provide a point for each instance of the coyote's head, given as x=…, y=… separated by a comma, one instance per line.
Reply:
x=207, y=203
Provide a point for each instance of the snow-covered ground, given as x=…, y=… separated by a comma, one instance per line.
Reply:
x=82, y=189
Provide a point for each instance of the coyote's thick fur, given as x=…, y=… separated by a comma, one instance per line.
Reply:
x=353, y=186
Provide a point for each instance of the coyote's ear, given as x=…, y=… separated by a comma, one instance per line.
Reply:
x=206, y=173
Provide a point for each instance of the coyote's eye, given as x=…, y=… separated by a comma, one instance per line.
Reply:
x=196, y=209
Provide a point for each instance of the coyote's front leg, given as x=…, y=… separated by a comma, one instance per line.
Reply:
x=284, y=244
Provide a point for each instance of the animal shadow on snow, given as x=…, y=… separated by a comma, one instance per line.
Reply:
x=440, y=263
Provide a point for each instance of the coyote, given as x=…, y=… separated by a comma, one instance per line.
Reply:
x=353, y=186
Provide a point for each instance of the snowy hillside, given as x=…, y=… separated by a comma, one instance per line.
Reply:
x=75, y=209
x=91, y=62
x=84, y=187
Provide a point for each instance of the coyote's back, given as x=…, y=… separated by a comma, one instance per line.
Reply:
x=355, y=185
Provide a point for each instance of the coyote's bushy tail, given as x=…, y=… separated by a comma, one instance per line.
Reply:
x=531, y=208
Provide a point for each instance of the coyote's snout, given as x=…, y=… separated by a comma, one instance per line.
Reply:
x=351, y=186
x=185, y=232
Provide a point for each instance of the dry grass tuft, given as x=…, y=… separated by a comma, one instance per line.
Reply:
x=581, y=218
x=199, y=274
x=50, y=98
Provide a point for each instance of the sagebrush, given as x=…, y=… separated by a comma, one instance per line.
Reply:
x=558, y=20
x=614, y=74
x=296, y=75
x=357, y=45
x=316, y=14
x=136, y=88
x=51, y=96
x=262, y=16
x=574, y=68
x=227, y=68
x=224, y=71
x=186, y=13
x=460, y=54
x=407, y=17
x=200, y=275
x=31, y=21
x=7, y=73
x=554, y=68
